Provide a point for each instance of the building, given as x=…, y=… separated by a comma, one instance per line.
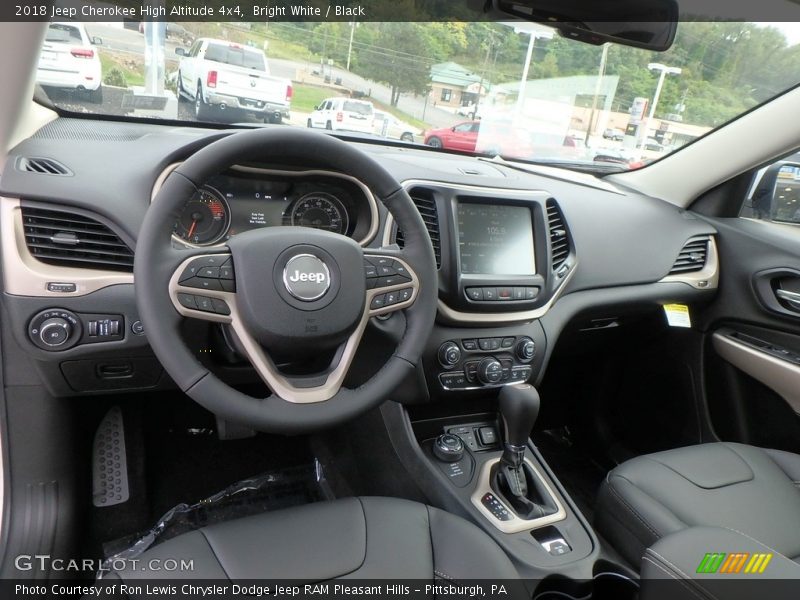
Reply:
x=453, y=86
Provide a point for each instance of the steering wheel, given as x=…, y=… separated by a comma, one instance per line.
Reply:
x=284, y=289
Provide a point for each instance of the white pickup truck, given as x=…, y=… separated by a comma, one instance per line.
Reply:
x=224, y=79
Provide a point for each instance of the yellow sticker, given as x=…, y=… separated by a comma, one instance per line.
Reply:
x=677, y=315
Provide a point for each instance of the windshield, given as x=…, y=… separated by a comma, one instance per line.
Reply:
x=517, y=90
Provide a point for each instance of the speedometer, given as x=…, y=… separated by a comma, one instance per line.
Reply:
x=320, y=211
x=205, y=219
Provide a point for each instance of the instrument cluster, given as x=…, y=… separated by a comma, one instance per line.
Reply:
x=244, y=199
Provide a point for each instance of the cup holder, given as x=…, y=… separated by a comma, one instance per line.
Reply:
x=610, y=581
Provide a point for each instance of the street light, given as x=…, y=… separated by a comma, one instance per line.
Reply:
x=664, y=71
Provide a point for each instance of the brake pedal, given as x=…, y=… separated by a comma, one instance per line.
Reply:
x=109, y=461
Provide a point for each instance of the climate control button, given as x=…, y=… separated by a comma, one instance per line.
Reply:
x=449, y=354
x=490, y=371
x=525, y=349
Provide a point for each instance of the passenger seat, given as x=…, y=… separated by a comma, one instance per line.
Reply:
x=749, y=490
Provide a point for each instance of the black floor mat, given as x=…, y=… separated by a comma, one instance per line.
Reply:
x=579, y=472
x=266, y=492
x=179, y=460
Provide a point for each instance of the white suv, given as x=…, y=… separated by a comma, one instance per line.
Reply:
x=69, y=60
x=344, y=114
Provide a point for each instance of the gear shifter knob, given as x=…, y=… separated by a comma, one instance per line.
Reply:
x=519, y=407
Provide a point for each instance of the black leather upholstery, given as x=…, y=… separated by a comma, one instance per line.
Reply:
x=669, y=568
x=363, y=538
x=727, y=485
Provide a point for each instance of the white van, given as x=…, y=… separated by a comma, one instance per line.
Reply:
x=344, y=114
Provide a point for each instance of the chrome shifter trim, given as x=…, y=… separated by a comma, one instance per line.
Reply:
x=516, y=524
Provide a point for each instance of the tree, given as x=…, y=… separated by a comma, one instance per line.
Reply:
x=399, y=55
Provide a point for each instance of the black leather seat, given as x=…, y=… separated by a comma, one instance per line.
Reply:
x=751, y=490
x=363, y=538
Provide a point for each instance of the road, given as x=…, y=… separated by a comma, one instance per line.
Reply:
x=132, y=42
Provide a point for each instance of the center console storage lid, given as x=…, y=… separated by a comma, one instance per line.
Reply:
x=718, y=563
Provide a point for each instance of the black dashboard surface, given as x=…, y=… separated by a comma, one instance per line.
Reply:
x=621, y=238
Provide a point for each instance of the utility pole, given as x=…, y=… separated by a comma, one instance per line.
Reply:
x=601, y=73
x=664, y=70
x=350, y=47
x=483, y=75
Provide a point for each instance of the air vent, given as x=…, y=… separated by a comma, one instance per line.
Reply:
x=426, y=205
x=692, y=257
x=67, y=239
x=559, y=236
x=43, y=166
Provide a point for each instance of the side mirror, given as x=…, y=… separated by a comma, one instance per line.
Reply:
x=180, y=51
x=777, y=195
x=97, y=41
x=316, y=108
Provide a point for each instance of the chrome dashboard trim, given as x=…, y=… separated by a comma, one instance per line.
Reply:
x=456, y=316
x=705, y=279
x=371, y=201
x=24, y=275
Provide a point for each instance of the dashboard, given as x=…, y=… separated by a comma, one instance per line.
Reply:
x=246, y=198
x=522, y=255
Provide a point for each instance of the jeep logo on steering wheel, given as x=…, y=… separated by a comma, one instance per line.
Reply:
x=306, y=277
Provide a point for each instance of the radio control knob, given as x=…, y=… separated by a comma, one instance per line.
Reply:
x=490, y=371
x=449, y=354
x=526, y=348
x=55, y=331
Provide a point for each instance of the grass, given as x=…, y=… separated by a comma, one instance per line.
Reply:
x=133, y=77
x=393, y=110
x=306, y=97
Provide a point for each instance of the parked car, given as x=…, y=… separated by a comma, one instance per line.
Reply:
x=343, y=114
x=468, y=110
x=223, y=78
x=68, y=60
x=616, y=135
x=463, y=136
x=389, y=126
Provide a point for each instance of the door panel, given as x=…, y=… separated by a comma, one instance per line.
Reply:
x=752, y=364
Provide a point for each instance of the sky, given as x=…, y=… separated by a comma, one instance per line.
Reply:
x=790, y=30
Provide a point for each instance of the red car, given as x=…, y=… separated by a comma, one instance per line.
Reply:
x=463, y=136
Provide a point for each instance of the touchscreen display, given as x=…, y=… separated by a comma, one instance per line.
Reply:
x=495, y=239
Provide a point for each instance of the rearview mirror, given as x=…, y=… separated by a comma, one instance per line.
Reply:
x=180, y=51
x=648, y=24
x=777, y=195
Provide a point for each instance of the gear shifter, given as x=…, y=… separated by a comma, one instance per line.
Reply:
x=513, y=479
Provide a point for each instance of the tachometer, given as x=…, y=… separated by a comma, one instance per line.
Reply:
x=205, y=219
x=320, y=211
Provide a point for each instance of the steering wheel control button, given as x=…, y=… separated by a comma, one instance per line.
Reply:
x=226, y=272
x=204, y=304
x=187, y=301
x=370, y=271
x=220, y=306
x=404, y=294
x=212, y=285
x=209, y=272
x=448, y=448
x=306, y=277
x=377, y=302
